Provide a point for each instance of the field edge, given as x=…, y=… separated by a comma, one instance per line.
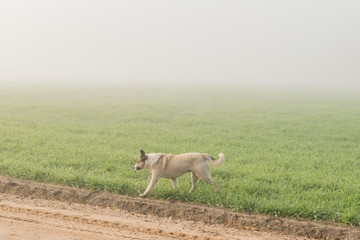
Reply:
x=180, y=210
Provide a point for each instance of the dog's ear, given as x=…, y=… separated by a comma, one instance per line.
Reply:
x=143, y=155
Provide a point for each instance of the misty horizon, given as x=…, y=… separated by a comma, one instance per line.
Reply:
x=231, y=43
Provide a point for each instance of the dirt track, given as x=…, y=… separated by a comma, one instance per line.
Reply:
x=31, y=210
x=24, y=218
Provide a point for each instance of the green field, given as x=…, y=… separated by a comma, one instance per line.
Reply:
x=288, y=152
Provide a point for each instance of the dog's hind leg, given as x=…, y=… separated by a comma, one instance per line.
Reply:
x=174, y=182
x=152, y=183
x=212, y=182
x=194, y=179
x=204, y=174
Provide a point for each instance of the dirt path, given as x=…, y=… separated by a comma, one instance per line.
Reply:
x=30, y=210
x=25, y=218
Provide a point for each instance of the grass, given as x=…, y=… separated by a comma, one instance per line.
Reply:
x=288, y=152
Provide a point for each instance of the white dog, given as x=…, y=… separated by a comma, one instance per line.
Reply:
x=173, y=166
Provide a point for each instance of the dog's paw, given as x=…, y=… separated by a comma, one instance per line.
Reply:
x=142, y=195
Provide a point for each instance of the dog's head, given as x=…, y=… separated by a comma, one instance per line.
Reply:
x=140, y=164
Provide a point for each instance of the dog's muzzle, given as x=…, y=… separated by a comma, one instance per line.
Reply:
x=137, y=168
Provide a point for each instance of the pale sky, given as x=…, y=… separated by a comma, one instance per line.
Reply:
x=113, y=41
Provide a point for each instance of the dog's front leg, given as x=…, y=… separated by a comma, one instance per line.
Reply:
x=174, y=182
x=154, y=180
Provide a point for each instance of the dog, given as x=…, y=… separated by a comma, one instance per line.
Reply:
x=172, y=166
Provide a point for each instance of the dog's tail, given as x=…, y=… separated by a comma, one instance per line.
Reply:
x=218, y=162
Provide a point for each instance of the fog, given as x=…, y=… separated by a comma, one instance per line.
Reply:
x=180, y=42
